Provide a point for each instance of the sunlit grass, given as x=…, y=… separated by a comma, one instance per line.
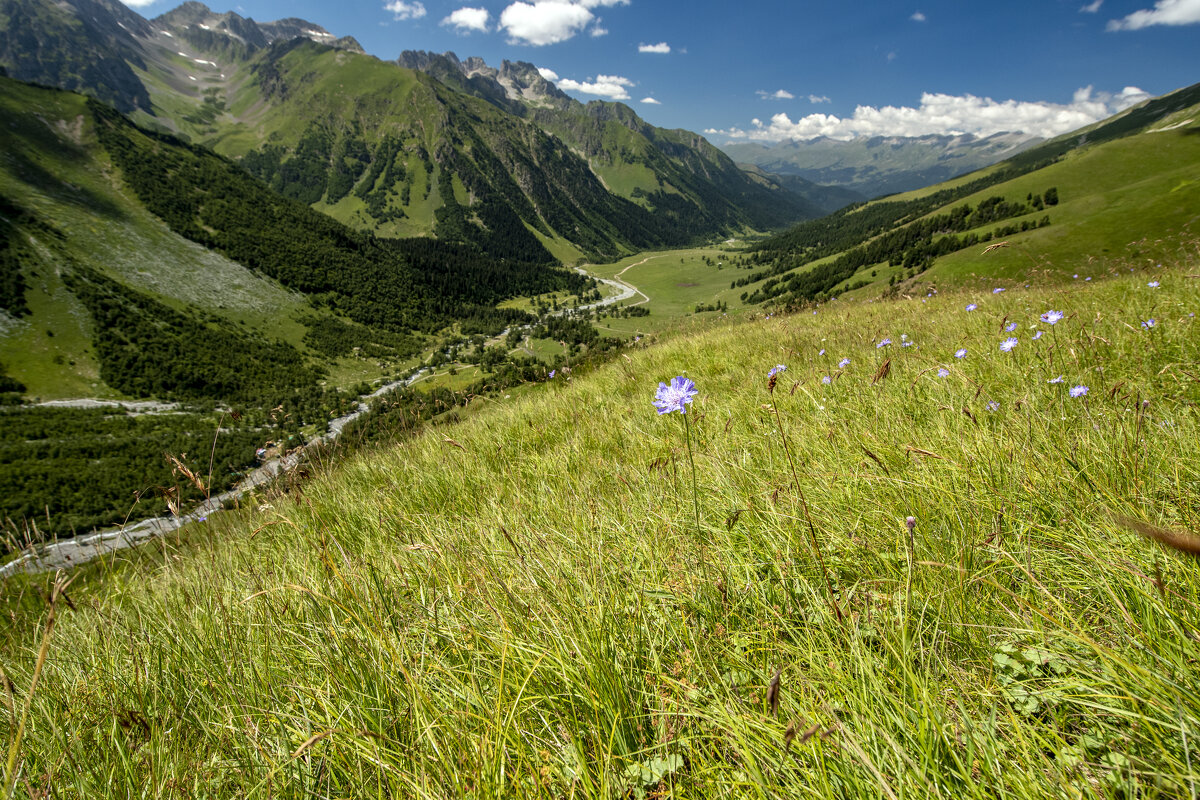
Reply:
x=521, y=604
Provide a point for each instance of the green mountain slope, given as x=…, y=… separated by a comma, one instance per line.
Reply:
x=1123, y=190
x=666, y=170
x=76, y=172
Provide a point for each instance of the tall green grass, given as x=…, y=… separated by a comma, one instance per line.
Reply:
x=520, y=605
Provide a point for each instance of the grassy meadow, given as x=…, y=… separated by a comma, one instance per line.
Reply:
x=569, y=595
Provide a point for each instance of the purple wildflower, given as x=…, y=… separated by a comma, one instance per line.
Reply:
x=1008, y=344
x=971, y=306
x=845, y=362
x=1088, y=278
x=1150, y=323
x=676, y=396
x=1153, y=284
x=960, y=352
x=553, y=372
x=884, y=343
x=1059, y=379
x=775, y=370
x=993, y=405
x=998, y=290
x=1010, y=327
x=943, y=372
x=906, y=344
x=827, y=380
x=822, y=352
x=1052, y=316
x=1078, y=391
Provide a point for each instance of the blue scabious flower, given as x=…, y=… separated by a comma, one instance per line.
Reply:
x=676, y=396
x=943, y=372
x=1153, y=284
x=993, y=406
x=822, y=352
x=1052, y=316
x=1059, y=379
x=884, y=343
x=1010, y=327
x=775, y=370
x=1037, y=335
x=1150, y=323
x=827, y=380
x=1078, y=391
x=1008, y=344
x=971, y=306
x=998, y=290
x=553, y=372
x=960, y=352
x=845, y=362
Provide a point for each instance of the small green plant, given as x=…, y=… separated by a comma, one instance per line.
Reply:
x=1030, y=678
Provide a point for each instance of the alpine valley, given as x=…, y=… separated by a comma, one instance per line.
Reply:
x=246, y=227
x=409, y=429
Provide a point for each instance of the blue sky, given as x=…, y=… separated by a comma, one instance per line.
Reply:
x=773, y=69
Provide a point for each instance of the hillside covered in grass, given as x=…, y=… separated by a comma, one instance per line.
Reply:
x=569, y=595
x=1123, y=188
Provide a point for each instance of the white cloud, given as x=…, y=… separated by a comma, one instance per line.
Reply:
x=468, y=19
x=611, y=86
x=406, y=10
x=917, y=17
x=651, y=101
x=780, y=94
x=661, y=47
x=543, y=22
x=817, y=98
x=1165, y=12
x=1091, y=8
x=597, y=32
x=947, y=114
x=548, y=74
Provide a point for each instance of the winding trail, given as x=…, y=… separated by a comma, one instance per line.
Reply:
x=65, y=553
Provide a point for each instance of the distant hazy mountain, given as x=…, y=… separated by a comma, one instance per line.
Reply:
x=881, y=164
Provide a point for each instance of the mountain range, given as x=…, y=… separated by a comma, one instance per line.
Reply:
x=880, y=165
x=494, y=157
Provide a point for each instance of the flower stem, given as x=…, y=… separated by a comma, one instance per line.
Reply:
x=687, y=431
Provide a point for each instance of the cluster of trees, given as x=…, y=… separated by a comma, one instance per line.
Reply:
x=913, y=245
x=147, y=349
x=333, y=337
x=13, y=252
x=65, y=471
